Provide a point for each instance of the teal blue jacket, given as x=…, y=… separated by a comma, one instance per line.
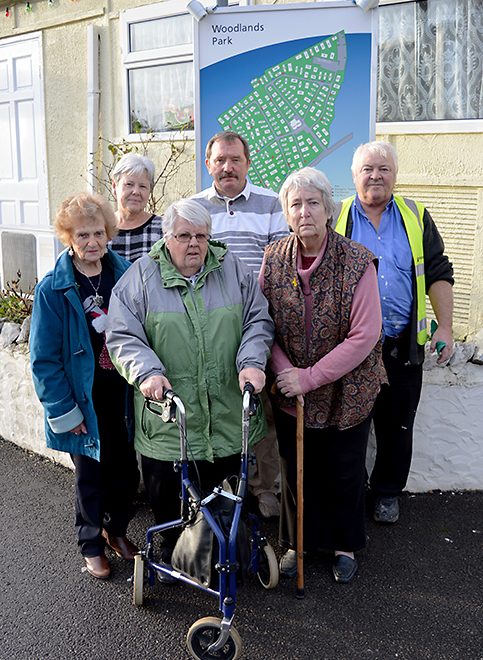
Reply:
x=62, y=359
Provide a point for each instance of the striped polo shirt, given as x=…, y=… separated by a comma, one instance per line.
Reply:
x=247, y=223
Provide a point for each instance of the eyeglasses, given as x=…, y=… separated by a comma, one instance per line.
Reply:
x=184, y=237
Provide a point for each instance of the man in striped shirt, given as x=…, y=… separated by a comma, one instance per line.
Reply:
x=246, y=218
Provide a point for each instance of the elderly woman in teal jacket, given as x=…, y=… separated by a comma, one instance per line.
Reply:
x=189, y=317
x=84, y=398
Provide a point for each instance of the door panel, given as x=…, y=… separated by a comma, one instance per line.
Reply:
x=23, y=171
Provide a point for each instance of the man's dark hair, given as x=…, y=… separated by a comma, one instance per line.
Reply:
x=227, y=136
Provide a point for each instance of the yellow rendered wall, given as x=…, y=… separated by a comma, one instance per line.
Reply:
x=64, y=42
x=445, y=171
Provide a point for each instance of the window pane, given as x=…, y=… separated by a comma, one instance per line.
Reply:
x=161, y=97
x=160, y=33
x=430, y=61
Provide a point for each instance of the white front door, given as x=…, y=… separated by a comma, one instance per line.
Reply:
x=24, y=216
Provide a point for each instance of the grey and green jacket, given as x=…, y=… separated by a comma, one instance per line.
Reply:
x=200, y=337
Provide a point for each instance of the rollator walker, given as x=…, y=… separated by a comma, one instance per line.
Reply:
x=210, y=637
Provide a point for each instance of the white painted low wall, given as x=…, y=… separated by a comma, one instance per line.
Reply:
x=448, y=450
x=448, y=433
x=448, y=438
x=21, y=415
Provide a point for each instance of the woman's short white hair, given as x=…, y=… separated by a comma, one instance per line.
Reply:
x=188, y=209
x=307, y=177
x=378, y=147
x=134, y=164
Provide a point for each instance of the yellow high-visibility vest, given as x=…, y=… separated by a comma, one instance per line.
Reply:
x=412, y=214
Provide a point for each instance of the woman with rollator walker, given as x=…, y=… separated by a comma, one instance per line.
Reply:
x=189, y=317
x=189, y=325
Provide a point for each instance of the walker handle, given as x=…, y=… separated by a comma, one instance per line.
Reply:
x=164, y=408
x=252, y=404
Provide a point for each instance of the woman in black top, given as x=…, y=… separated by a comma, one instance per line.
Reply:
x=84, y=398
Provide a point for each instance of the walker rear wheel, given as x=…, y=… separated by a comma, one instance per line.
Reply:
x=268, y=572
x=204, y=632
x=138, y=580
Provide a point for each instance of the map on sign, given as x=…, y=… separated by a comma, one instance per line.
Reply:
x=287, y=117
x=297, y=81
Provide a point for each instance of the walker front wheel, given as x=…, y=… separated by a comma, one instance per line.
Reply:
x=268, y=572
x=138, y=580
x=204, y=632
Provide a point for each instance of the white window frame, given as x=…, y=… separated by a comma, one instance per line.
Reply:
x=137, y=60
x=432, y=126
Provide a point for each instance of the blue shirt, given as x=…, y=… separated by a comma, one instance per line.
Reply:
x=390, y=245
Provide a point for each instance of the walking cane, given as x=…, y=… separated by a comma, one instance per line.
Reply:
x=300, y=500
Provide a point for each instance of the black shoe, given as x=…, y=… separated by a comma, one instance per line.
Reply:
x=165, y=578
x=165, y=557
x=386, y=510
x=344, y=569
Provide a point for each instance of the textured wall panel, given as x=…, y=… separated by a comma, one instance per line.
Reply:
x=19, y=252
x=455, y=211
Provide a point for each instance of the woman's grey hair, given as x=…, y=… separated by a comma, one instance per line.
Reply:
x=134, y=164
x=307, y=177
x=378, y=147
x=188, y=209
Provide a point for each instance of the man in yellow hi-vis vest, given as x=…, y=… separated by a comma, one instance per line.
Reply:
x=412, y=263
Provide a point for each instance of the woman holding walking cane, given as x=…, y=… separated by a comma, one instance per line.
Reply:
x=323, y=297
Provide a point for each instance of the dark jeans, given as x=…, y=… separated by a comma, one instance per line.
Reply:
x=163, y=486
x=394, y=415
x=105, y=489
x=105, y=492
x=334, y=475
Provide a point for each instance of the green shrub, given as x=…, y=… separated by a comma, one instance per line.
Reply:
x=16, y=304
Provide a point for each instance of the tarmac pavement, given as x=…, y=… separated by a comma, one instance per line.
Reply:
x=418, y=594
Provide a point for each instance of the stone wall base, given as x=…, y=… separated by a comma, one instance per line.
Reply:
x=21, y=415
x=448, y=437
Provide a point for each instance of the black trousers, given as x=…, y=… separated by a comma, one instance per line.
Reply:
x=334, y=475
x=105, y=489
x=394, y=414
x=163, y=486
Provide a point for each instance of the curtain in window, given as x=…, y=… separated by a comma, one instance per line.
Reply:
x=430, y=61
x=160, y=33
x=161, y=97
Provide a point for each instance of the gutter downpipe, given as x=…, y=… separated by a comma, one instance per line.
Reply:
x=93, y=101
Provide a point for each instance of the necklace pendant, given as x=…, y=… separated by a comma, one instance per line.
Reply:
x=98, y=300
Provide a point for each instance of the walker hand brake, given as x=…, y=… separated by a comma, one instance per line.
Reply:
x=166, y=409
x=254, y=399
